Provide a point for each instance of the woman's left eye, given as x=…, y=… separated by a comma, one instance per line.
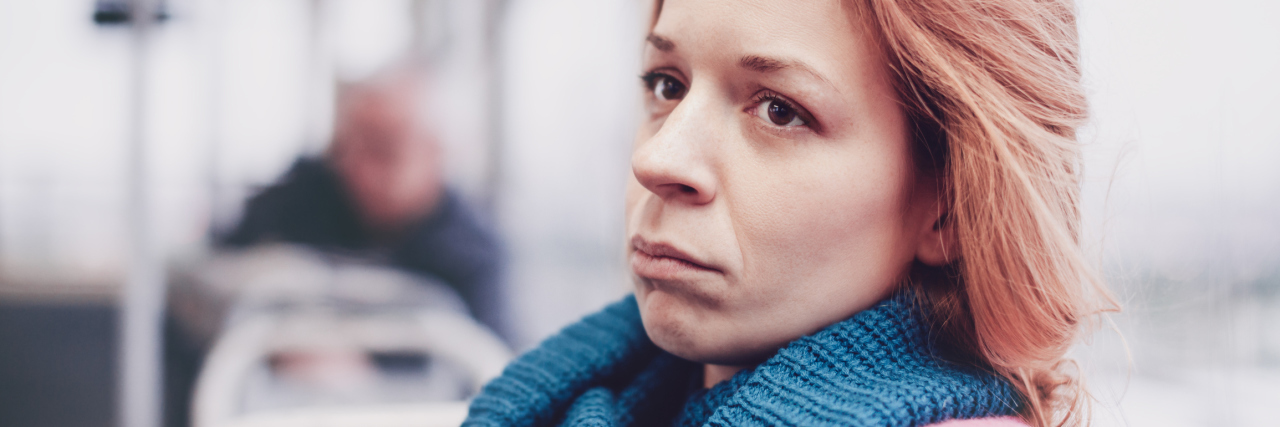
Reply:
x=779, y=113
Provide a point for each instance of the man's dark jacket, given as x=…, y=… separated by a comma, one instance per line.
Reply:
x=310, y=206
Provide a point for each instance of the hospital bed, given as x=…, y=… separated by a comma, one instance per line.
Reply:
x=302, y=338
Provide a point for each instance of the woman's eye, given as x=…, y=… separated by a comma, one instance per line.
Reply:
x=665, y=87
x=779, y=113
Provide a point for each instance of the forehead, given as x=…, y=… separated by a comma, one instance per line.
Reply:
x=794, y=27
x=824, y=35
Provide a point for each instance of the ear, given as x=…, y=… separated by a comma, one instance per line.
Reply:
x=937, y=245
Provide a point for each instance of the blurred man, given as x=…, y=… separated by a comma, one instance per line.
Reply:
x=379, y=193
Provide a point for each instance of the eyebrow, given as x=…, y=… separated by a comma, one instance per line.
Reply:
x=661, y=43
x=759, y=64
x=762, y=64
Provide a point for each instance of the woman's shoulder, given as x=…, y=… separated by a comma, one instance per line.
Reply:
x=983, y=422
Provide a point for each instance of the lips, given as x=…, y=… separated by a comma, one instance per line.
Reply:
x=663, y=261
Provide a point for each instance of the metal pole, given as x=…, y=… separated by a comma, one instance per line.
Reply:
x=141, y=303
x=495, y=15
x=319, y=98
x=211, y=24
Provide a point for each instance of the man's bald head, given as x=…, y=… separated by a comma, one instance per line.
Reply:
x=387, y=159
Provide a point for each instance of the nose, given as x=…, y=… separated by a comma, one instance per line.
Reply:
x=675, y=163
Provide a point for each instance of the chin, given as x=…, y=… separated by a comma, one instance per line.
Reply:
x=697, y=334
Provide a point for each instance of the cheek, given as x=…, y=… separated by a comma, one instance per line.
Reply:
x=820, y=229
x=635, y=193
x=636, y=196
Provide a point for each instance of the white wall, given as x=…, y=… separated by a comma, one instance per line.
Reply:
x=1182, y=200
x=1185, y=97
x=571, y=90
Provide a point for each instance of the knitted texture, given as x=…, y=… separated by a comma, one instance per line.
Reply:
x=703, y=403
x=874, y=369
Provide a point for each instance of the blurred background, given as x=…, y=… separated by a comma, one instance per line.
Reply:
x=141, y=257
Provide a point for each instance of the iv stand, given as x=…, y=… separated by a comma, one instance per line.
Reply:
x=142, y=296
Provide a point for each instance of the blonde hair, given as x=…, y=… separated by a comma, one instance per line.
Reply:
x=992, y=88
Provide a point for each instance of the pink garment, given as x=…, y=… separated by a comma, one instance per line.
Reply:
x=983, y=422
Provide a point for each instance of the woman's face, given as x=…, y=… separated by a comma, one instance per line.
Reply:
x=774, y=191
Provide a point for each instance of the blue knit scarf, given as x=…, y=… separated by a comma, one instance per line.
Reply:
x=874, y=369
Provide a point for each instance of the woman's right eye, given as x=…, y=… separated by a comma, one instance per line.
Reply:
x=664, y=87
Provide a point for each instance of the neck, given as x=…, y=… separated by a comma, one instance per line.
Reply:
x=715, y=374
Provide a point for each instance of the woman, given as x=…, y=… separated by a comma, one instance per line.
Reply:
x=856, y=212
